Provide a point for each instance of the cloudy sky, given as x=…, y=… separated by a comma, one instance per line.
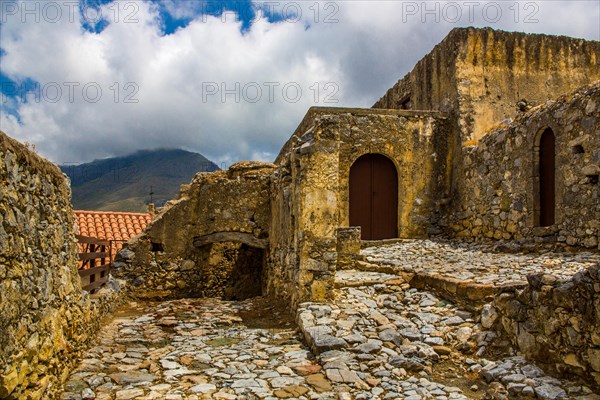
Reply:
x=229, y=79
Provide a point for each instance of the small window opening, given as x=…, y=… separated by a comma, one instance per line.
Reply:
x=578, y=149
x=593, y=179
x=157, y=247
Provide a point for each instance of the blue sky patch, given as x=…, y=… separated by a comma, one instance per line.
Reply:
x=244, y=11
x=92, y=19
x=12, y=93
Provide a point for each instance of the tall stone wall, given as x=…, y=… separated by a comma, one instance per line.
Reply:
x=554, y=323
x=480, y=75
x=302, y=255
x=311, y=188
x=498, y=184
x=191, y=248
x=45, y=317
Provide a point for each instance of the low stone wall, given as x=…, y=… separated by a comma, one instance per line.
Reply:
x=497, y=186
x=45, y=317
x=208, y=242
x=557, y=324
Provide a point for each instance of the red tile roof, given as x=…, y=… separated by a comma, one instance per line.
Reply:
x=111, y=225
x=118, y=227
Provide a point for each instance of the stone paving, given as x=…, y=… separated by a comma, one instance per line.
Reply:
x=195, y=349
x=379, y=339
x=364, y=340
x=389, y=341
x=374, y=342
x=480, y=262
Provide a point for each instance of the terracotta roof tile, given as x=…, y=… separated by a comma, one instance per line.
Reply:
x=111, y=225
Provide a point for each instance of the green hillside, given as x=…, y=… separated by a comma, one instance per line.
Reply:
x=125, y=183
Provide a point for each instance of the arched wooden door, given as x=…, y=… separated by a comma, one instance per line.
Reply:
x=547, y=178
x=374, y=197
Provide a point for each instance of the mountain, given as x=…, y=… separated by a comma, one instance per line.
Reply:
x=125, y=183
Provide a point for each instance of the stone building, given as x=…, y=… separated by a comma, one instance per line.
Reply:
x=493, y=134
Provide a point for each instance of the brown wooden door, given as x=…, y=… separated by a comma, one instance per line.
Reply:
x=547, y=178
x=374, y=197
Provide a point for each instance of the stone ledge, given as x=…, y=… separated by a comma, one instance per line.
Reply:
x=471, y=295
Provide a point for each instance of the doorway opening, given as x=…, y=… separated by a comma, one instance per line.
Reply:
x=374, y=197
x=546, y=196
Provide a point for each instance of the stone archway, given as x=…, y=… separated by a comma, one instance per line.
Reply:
x=233, y=263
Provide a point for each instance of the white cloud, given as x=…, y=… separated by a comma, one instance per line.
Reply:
x=370, y=47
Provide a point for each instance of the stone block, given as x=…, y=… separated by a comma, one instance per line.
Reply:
x=348, y=246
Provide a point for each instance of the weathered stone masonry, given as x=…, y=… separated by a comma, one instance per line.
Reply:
x=262, y=228
x=195, y=247
x=45, y=318
x=293, y=207
x=467, y=166
x=554, y=323
x=482, y=76
x=498, y=180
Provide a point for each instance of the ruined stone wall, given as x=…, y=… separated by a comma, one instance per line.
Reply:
x=311, y=188
x=498, y=182
x=480, y=75
x=554, y=323
x=168, y=260
x=45, y=317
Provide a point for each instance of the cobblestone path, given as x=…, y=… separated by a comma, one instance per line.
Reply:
x=195, y=349
x=375, y=341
